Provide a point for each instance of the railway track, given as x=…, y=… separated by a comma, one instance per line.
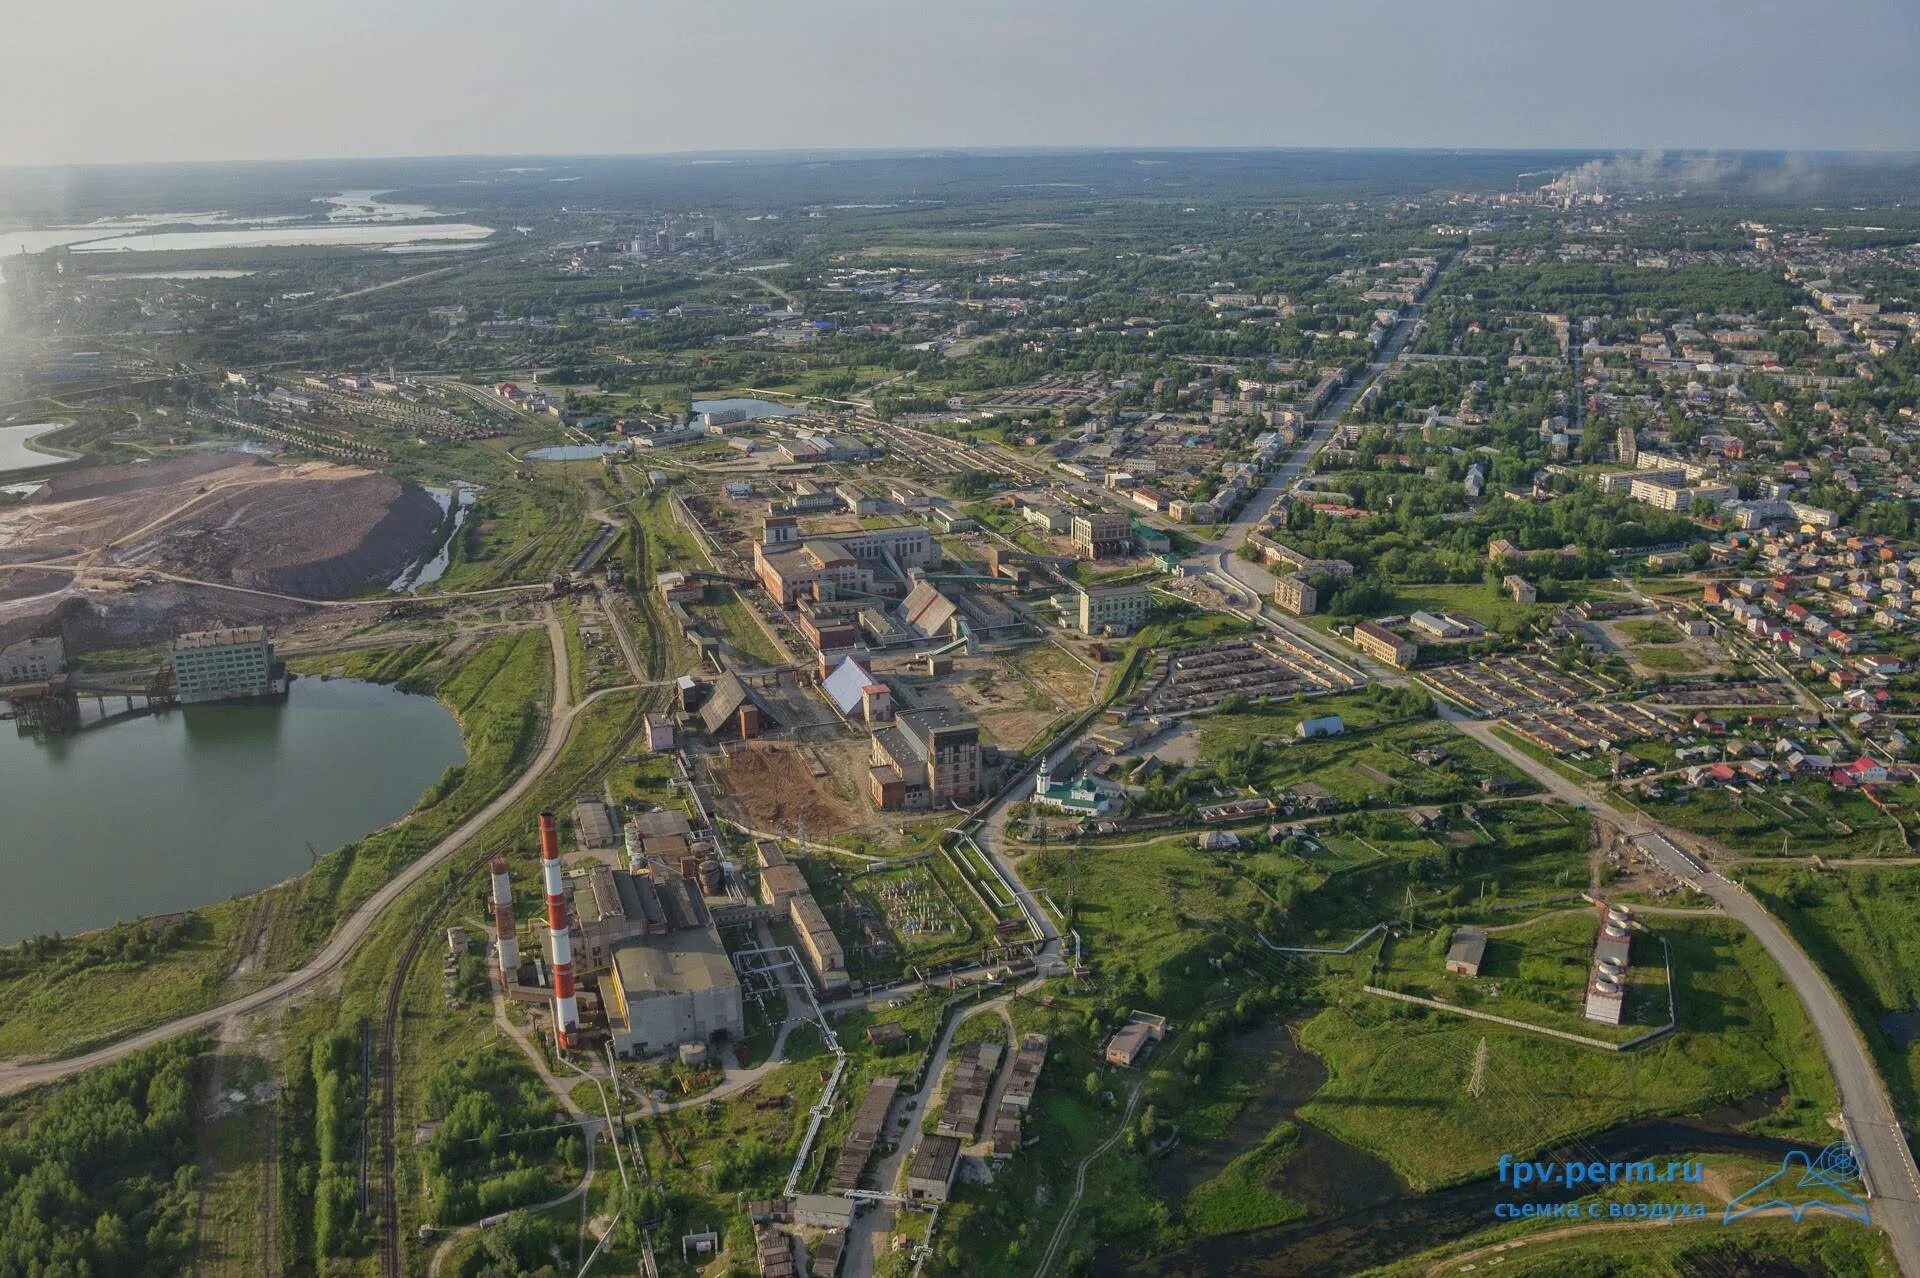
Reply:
x=393, y=1256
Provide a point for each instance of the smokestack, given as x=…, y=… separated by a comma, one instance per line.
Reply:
x=566, y=1013
x=506, y=944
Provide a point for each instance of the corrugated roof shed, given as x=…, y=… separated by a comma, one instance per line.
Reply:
x=927, y=611
x=844, y=686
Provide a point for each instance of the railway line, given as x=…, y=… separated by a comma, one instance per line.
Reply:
x=644, y=667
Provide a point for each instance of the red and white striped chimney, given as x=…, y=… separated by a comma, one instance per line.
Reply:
x=566, y=1012
x=506, y=943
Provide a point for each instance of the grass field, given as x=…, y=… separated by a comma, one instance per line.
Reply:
x=1483, y=602
x=1470, y=873
x=1814, y=816
x=1618, y=1249
x=1863, y=927
x=1539, y=971
x=1398, y=1084
x=1646, y=630
x=1358, y=768
x=1151, y=916
x=1666, y=660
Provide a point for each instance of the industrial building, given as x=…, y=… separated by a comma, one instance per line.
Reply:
x=1113, y=609
x=221, y=665
x=968, y=1089
x=783, y=886
x=936, y=1160
x=856, y=694
x=645, y=941
x=790, y=565
x=869, y=1125
x=930, y=614
x=32, y=660
x=1468, y=952
x=1612, y=957
x=1131, y=1041
x=1102, y=534
x=927, y=758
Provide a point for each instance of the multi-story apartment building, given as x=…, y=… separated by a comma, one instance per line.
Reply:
x=1382, y=644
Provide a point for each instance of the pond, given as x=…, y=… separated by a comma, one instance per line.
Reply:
x=571, y=452
x=753, y=409
x=164, y=812
x=17, y=454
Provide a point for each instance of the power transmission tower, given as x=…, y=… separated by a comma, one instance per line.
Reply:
x=1477, y=1082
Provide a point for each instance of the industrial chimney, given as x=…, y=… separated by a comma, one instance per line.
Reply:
x=566, y=1013
x=506, y=944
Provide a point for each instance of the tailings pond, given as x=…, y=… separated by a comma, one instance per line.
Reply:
x=163, y=812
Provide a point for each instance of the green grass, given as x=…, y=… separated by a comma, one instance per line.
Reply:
x=1666, y=660
x=1483, y=602
x=1644, y=631
x=1398, y=1084
x=1150, y=917
x=1366, y=708
x=733, y=620
x=70, y=998
x=1241, y=1197
x=1815, y=816
x=1365, y=768
x=1617, y=1249
x=1862, y=926
x=1540, y=971
x=1515, y=853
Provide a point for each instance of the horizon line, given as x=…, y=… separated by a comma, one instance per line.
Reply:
x=979, y=150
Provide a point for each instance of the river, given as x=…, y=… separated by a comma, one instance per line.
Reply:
x=165, y=812
x=1361, y=1214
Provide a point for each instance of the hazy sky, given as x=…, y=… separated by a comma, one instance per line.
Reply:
x=116, y=80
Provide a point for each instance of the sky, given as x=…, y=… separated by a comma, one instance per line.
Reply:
x=99, y=81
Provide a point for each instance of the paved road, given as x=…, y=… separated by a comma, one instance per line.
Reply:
x=1320, y=430
x=333, y=956
x=1252, y=582
x=1866, y=1109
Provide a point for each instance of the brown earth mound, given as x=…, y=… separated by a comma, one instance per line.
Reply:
x=317, y=529
x=324, y=534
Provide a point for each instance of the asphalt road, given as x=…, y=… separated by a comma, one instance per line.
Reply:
x=1866, y=1109
x=333, y=956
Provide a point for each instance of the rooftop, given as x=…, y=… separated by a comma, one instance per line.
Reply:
x=220, y=638
x=691, y=961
